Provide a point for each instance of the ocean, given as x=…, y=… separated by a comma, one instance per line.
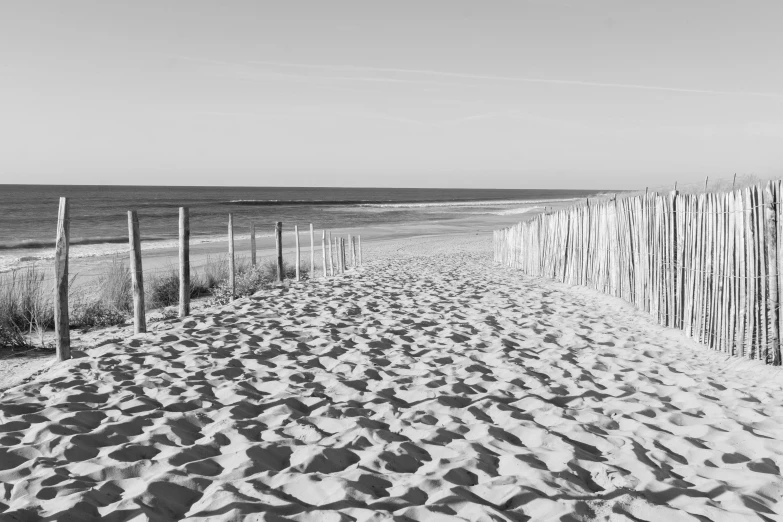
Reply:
x=99, y=222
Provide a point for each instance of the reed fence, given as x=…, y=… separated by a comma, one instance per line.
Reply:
x=705, y=263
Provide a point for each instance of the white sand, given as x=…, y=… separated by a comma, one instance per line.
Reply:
x=428, y=386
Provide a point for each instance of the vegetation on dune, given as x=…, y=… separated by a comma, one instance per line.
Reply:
x=26, y=308
x=27, y=296
x=250, y=279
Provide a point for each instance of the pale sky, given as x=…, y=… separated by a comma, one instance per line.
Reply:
x=517, y=94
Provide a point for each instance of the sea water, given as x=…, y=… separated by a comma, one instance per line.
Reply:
x=99, y=220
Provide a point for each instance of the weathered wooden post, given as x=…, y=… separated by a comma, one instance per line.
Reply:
x=323, y=249
x=331, y=256
x=279, y=246
x=231, y=261
x=336, y=255
x=184, y=262
x=312, y=253
x=341, y=255
x=353, y=251
x=771, y=240
x=253, y=244
x=137, y=276
x=359, y=244
x=61, y=327
x=298, y=260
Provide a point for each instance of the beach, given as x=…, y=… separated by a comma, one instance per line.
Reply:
x=427, y=384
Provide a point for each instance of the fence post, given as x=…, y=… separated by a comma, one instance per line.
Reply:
x=184, y=261
x=353, y=251
x=312, y=253
x=296, y=235
x=61, y=326
x=341, y=254
x=359, y=244
x=279, y=247
x=336, y=255
x=253, y=244
x=231, y=260
x=323, y=249
x=137, y=276
x=331, y=256
x=337, y=243
x=771, y=233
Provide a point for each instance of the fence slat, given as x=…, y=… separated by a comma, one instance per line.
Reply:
x=771, y=231
x=312, y=252
x=184, y=262
x=231, y=258
x=279, y=248
x=331, y=257
x=298, y=251
x=323, y=251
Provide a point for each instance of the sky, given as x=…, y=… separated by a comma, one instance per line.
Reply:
x=498, y=94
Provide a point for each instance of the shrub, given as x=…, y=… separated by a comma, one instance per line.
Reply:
x=163, y=290
x=96, y=314
x=215, y=271
x=268, y=268
x=247, y=282
x=11, y=337
x=250, y=279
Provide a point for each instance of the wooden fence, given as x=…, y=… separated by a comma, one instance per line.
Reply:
x=62, y=330
x=704, y=263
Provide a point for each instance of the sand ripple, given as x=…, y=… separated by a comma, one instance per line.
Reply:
x=430, y=387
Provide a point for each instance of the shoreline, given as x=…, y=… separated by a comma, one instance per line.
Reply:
x=161, y=254
x=88, y=251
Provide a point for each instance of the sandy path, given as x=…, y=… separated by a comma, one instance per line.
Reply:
x=430, y=386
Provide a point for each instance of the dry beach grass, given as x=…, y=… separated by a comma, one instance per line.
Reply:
x=427, y=386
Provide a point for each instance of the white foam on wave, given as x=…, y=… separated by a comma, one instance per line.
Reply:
x=16, y=260
x=483, y=203
x=514, y=211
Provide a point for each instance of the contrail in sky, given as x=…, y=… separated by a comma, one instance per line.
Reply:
x=512, y=78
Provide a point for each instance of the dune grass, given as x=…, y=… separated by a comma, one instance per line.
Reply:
x=251, y=279
x=26, y=310
x=27, y=295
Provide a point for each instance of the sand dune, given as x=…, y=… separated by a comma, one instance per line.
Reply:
x=427, y=386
